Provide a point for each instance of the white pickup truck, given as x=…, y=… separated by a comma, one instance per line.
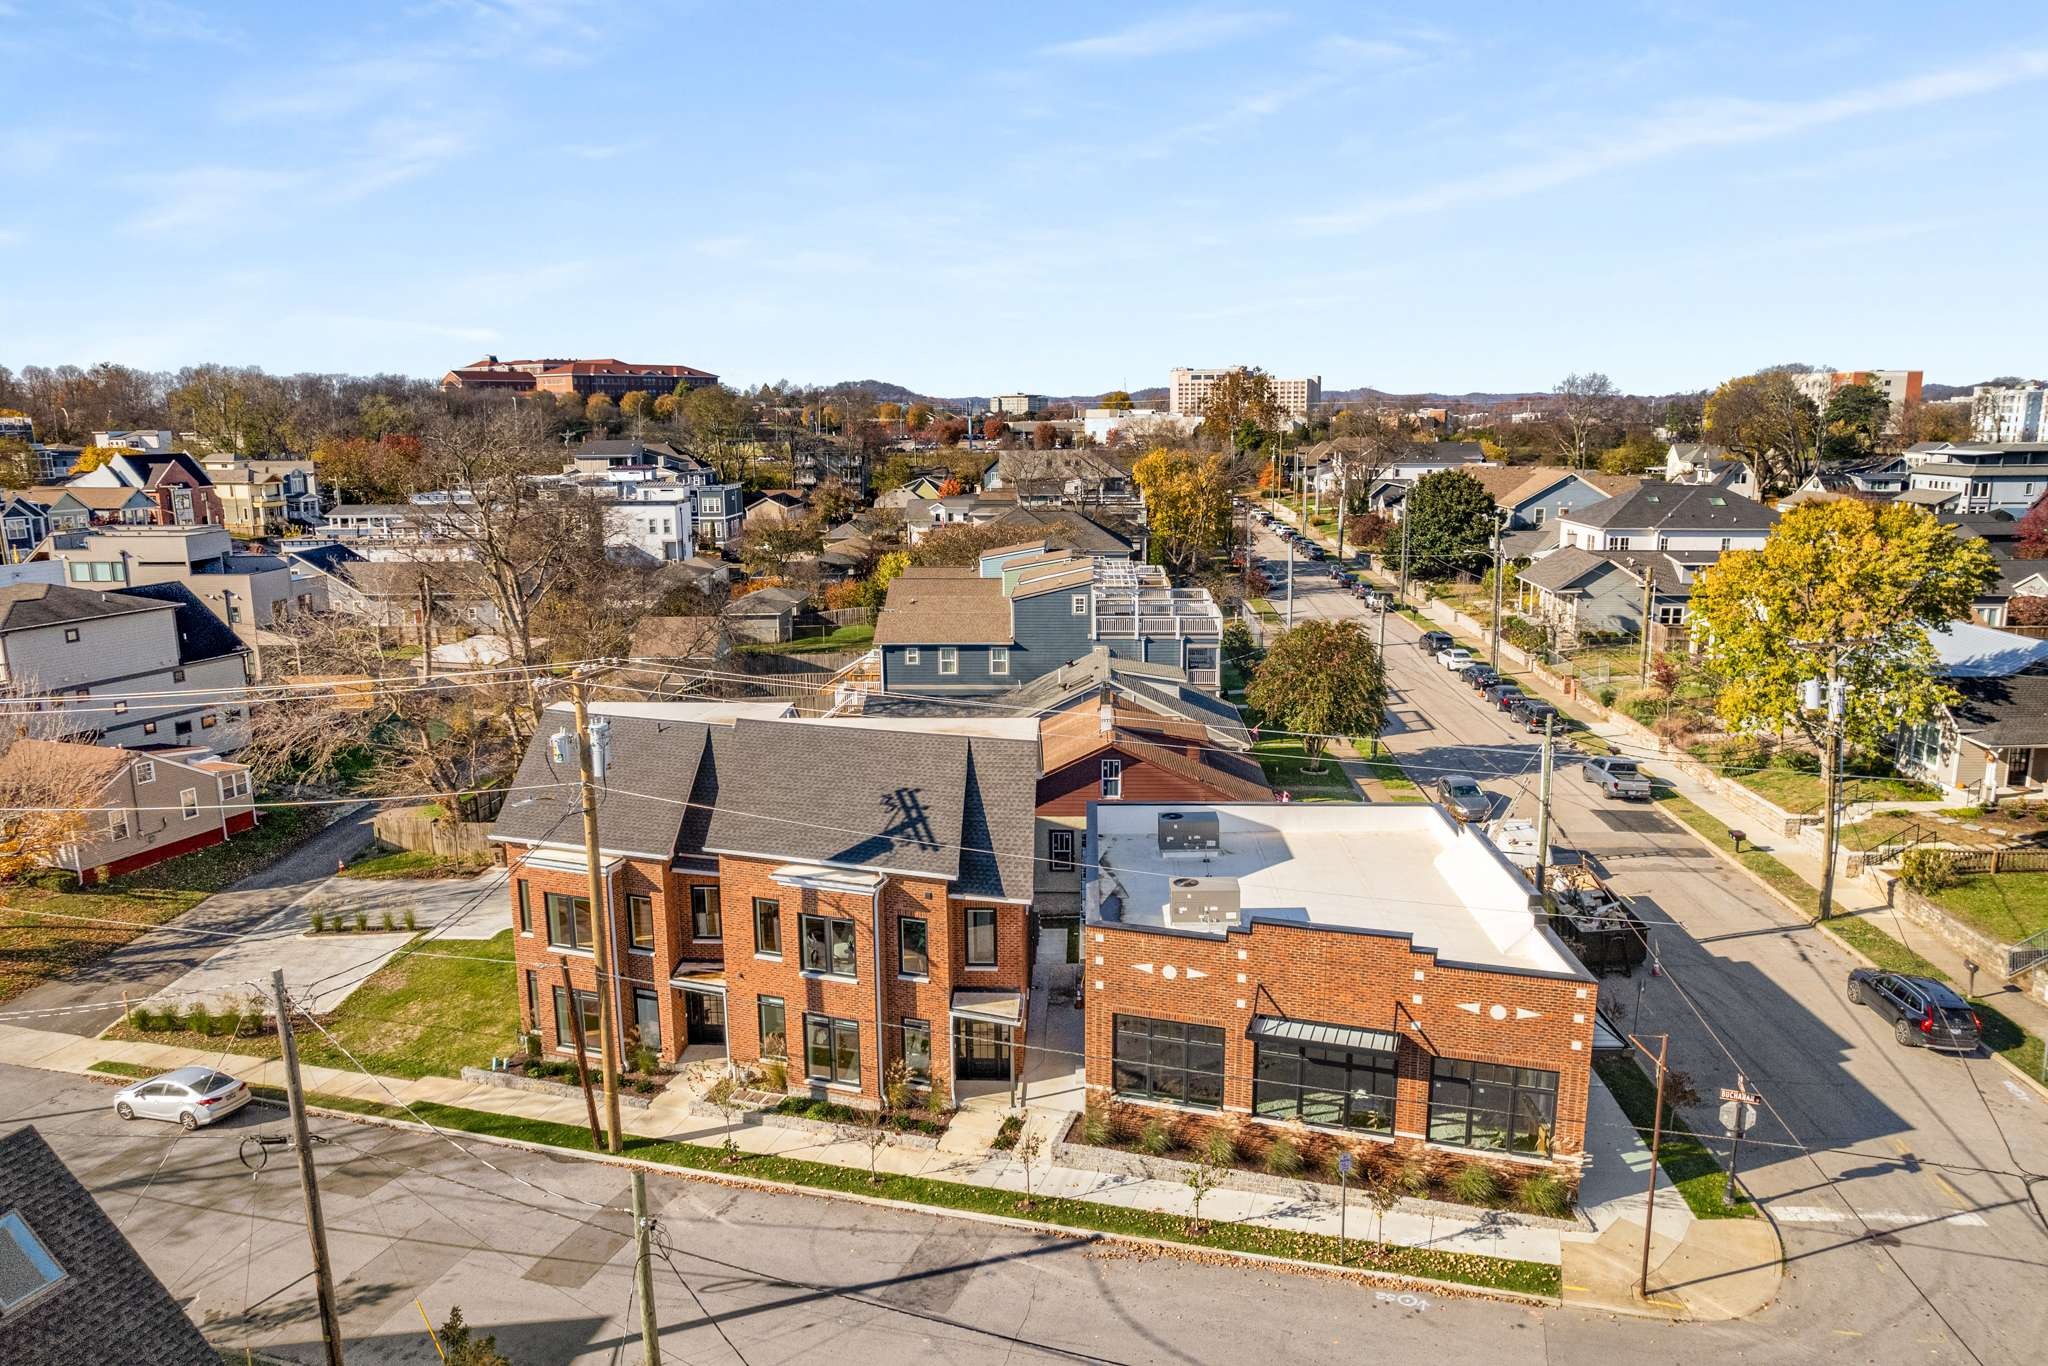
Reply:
x=1618, y=777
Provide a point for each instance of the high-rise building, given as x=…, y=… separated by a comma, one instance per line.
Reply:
x=2009, y=412
x=1190, y=391
x=1899, y=387
x=1017, y=405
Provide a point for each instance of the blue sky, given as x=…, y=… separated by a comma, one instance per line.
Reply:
x=1057, y=198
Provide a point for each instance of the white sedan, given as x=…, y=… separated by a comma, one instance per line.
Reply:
x=1455, y=658
x=189, y=1096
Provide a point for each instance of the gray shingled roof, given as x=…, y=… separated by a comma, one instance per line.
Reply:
x=952, y=807
x=1997, y=712
x=1678, y=507
x=109, y=1307
x=658, y=758
x=27, y=605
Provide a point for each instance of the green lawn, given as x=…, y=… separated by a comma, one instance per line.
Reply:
x=1288, y=768
x=416, y=863
x=1792, y=781
x=40, y=940
x=1387, y=769
x=1695, y=1170
x=2006, y=906
x=1085, y=1216
x=431, y=1013
x=842, y=638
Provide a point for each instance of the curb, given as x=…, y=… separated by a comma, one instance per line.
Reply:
x=1162, y=1245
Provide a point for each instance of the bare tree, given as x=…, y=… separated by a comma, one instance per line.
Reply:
x=50, y=790
x=1585, y=405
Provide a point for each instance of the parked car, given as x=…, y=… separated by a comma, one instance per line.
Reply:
x=1530, y=712
x=1373, y=598
x=1432, y=641
x=1502, y=695
x=188, y=1096
x=1463, y=798
x=1924, y=1013
x=1315, y=552
x=1617, y=777
x=1454, y=658
x=1478, y=676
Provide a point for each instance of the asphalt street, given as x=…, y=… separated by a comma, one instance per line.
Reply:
x=1898, y=1176
x=537, y=1249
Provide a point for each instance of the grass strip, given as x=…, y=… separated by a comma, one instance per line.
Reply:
x=416, y=863
x=1087, y=1216
x=1692, y=1168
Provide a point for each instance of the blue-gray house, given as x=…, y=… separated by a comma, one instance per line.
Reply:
x=1026, y=610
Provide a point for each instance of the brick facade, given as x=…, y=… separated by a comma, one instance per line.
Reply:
x=1348, y=978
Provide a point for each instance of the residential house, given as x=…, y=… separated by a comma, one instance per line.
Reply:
x=146, y=666
x=919, y=489
x=1378, y=970
x=780, y=507
x=651, y=532
x=1657, y=515
x=765, y=615
x=74, y=509
x=1875, y=477
x=1131, y=428
x=2009, y=477
x=1100, y=535
x=262, y=498
x=23, y=524
x=175, y=482
x=242, y=590
x=1346, y=465
x=54, y=461
x=1577, y=592
x=75, y=1291
x=1027, y=610
x=393, y=594
x=721, y=513
x=149, y=441
x=152, y=804
x=1066, y=478
x=641, y=459
x=955, y=509
x=1992, y=743
x=1698, y=462
x=848, y=896
x=1109, y=753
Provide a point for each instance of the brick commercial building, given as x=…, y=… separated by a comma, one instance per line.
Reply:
x=563, y=376
x=1376, y=969
x=850, y=895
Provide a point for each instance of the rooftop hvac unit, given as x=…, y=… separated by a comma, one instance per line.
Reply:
x=1189, y=832
x=1202, y=901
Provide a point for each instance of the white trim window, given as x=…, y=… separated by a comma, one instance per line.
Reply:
x=1079, y=604
x=188, y=802
x=912, y=656
x=145, y=770
x=117, y=825
x=1059, y=850
x=949, y=660
x=1112, y=779
x=999, y=661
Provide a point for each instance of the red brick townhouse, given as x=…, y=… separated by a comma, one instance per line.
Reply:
x=1373, y=968
x=841, y=893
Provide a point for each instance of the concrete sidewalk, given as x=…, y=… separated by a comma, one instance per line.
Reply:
x=1594, y=1269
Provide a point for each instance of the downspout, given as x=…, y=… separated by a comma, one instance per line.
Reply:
x=881, y=1039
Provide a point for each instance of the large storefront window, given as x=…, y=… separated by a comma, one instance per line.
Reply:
x=1342, y=1087
x=1170, y=1061
x=832, y=1050
x=1488, y=1106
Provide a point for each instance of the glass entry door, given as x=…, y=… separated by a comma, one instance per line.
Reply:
x=981, y=1051
x=703, y=1017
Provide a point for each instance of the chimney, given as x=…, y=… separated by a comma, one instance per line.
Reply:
x=1105, y=711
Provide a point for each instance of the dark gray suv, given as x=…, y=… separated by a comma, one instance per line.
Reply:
x=1924, y=1013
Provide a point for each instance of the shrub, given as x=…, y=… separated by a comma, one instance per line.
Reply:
x=532, y=1042
x=1154, y=1139
x=1220, y=1146
x=1283, y=1158
x=412, y=921
x=319, y=922
x=362, y=921
x=1546, y=1195
x=775, y=1074
x=896, y=1085
x=646, y=1061
x=199, y=1019
x=1007, y=1135
x=1607, y=696
x=142, y=1018
x=1124, y=1124
x=1475, y=1184
x=1095, y=1126
x=389, y=923
x=939, y=1097
x=1928, y=870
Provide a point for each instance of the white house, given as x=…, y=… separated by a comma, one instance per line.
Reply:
x=1664, y=516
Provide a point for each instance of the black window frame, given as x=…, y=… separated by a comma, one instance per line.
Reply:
x=1156, y=1076
x=641, y=995
x=639, y=916
x=768, y=910
x=833, y=925
x=524, y=899
x=566, y=1037
x=837, y=1032
x=916, y=1029
x=923, y=970
x=1284, y=1088
x=699, y=893
x=761, y=1004
x=578, y=920
x=1055, y=861
x=532, y=999
x=1464, y=1092
x=967, y=938
x=1112, y=780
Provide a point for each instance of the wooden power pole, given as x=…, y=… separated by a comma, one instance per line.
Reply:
x=309, y=1181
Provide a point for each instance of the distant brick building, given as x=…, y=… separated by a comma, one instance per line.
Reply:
x=565, y=376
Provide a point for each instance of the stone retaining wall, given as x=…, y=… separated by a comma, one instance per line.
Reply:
x=823, y=1128
x=513, y=1081
x=1996, y=960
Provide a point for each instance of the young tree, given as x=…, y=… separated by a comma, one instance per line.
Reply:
x=1448, y=520
x=1843, y=590
x=1117, y=401
x=993, y=427
x=1319, y=679
x=1585, y=405
x=1187, y=503
x=464, y=1348
x=1767, y=423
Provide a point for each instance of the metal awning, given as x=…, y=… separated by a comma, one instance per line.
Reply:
x=1332, y=1036
x=992, y=1007
x=1605, y=1039
x=711, y=982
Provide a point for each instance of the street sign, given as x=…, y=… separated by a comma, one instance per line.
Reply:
x=1738, y=1117
x=1746, y=1097
x=1343, y=1164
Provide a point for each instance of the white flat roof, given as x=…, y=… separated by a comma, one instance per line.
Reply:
x=1405, y=869
x=708, y=713
x=984, y=727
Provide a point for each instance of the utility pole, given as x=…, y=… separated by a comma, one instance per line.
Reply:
x=593, y=756
x=1649, y=596
x=1404, y=552
x=1290, y=585
x=1833, y=694
x=1543, y=809
x=1495, y=659
x=1656, y=1142
x=309, y=1182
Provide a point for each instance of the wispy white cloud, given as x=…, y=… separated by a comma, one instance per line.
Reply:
x=1183, y=31
x=1692, y=126
x=1343, y=51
